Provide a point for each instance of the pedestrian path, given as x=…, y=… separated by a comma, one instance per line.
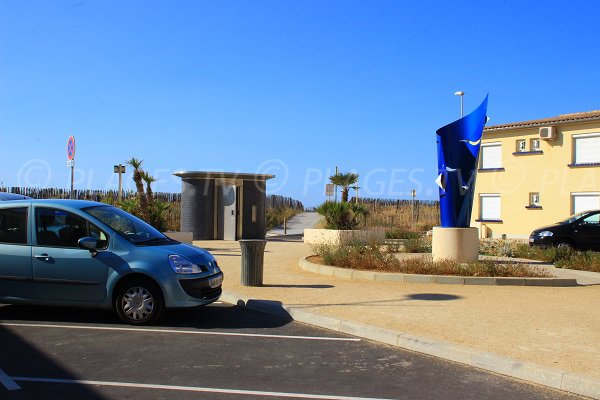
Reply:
x=297, y=224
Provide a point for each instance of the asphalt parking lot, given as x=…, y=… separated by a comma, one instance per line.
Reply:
x=220, y=352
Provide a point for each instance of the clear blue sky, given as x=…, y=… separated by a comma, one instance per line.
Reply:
x=292, y=88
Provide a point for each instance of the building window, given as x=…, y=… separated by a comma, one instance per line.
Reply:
x=535, y=144
x=489, y=207
x=585, y=201
x=586, y=149
x=491, y=156
x=521, y=145
x=534, y=199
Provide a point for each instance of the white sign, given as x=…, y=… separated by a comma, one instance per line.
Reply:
x=329, y=189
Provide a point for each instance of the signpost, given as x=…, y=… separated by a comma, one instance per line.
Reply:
x=71, y=161
x=120, y=169
x=413, y=194
x=329, y=188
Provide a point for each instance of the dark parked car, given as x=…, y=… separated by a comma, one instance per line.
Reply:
x=581, y=231
x=11, y=196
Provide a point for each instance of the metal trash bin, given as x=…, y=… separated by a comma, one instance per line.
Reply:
x=253, y=252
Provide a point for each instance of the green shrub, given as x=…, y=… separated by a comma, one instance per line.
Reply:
x=277, y=216
x=341, y=215
x=585, y=261
x=561, y=257
x=401, y=233
x=157, y=211
x=372, y=257
x=417, y=245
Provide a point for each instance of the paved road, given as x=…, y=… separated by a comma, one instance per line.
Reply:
x=220, y=352
x=297, y=224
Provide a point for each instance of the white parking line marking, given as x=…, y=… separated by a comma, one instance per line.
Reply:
x=103, y=328
x=193, y=389
x=8, y=382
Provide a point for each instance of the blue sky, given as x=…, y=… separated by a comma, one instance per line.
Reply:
x=292, y=88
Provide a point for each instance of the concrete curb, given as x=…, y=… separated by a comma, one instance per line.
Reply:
x=440, y=279
x=539, y=374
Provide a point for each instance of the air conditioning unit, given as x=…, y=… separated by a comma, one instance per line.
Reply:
x=547, y=133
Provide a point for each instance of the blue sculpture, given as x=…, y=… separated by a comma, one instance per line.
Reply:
x=458, y=147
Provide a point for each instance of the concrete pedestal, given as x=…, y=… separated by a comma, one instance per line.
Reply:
x=458, y=244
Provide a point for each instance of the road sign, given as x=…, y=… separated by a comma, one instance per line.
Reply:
x=71, y=148
x=329, y=188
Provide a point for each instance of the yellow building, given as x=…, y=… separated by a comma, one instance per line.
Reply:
x=535, y=173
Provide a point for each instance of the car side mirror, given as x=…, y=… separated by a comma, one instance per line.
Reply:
x=88, y=243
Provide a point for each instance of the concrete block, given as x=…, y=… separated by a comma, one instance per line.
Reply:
x=370, y=332
x=364, y=275
x=510, y=281
x=312, y=318
x=495, y=363
x=559, y=282
x=435, y=348
x=539, y=282
x=308, y=266
x=449, y=280
x=540, y=374
x=458, y=244
x=343, y=273
x=409, y=278
x=325, y=270
x=476, y=280
x=389, y=277
x=580, y=384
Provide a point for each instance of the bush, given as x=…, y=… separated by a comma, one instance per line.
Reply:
x=157, y=211
x=341, y=215
x=584, y=261
x=276, y=216
x=401, y=233
x=371, y=257
x=417, y=245
x=561, y=257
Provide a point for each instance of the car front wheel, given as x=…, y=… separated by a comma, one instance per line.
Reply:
x=565, y=245
x=139, y=302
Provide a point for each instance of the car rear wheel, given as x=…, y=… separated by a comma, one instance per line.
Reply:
x=139, y=302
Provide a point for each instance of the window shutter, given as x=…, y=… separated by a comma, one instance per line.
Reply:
x=585, y=202
x=490, y=207
x=491, y=156
x=587, y=149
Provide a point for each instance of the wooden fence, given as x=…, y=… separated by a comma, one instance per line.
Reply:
x=389, y=213
x=110, y=197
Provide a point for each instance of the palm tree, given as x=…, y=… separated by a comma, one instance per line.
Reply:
x=344, y=181
x=149, y=179
x=139, y=184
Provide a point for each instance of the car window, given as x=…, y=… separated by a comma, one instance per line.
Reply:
x=64, y=229
x=13, y=225
x=592, y=220
x=131, y=228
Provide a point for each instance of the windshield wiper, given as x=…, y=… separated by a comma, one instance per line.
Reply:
x=155, y=241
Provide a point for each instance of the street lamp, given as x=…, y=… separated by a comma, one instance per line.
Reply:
x=461, y=94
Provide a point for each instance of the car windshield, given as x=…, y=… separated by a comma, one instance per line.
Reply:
x=574, y=217
x=131, y=228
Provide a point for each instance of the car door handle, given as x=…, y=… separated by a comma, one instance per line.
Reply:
x=43, y=257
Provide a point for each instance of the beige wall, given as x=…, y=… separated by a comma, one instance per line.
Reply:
x=547, y=173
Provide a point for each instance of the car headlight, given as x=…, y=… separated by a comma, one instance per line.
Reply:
x=182, y=265
x=545, y=234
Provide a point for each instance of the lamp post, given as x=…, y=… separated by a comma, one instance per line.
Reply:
x=460, y=94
